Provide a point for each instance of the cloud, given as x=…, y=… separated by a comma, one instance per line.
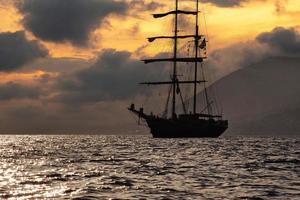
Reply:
x=58, y=65
x=16, y=50
x=68, y=20
x=145, y=6
x=224, y=61
x=114, y=76
x=287, y=41
x=95, y=95
x=226, y=3
x=10, y=91
x=278, y=42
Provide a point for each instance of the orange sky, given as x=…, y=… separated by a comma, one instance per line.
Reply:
x=225, y=26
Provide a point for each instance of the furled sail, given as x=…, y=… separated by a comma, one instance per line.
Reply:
x=174, y=12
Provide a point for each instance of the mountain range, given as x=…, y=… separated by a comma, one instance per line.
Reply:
x=262, y=99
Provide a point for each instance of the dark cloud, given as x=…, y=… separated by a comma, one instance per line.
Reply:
x=113, y=77
x=10, y=91
x=226, y=3
x=58, y=65
x=287, y=41
x=68, y=20
x=278, y=42
x=95, y=97
x=16, y=50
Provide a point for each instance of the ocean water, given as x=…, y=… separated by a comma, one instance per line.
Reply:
x=139, y=167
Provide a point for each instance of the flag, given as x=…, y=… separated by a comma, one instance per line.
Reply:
x=203, y=44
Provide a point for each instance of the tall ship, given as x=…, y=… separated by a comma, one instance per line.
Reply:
x=199, y=121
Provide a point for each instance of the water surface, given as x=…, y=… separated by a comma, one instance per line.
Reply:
x=139, y=167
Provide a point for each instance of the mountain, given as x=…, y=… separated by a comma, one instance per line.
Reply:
x=263, y=99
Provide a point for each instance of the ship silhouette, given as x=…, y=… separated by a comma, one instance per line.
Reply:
x=188, y=124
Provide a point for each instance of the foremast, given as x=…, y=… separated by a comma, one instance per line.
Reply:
x=196, y=57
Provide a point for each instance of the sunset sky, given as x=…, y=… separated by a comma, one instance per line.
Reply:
x=72, y=65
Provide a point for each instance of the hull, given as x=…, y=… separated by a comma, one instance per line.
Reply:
x=180, y=128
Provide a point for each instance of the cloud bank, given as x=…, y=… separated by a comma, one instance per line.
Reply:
x=287, y=41
x=16, y=50
x=278, y=42
x=226, y=3
x=114, y=76
x=91, y=98
x=67, y=21
x=13, y=91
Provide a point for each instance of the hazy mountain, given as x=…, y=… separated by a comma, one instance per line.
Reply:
x=263, y=99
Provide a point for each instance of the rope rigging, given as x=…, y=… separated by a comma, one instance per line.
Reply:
x=183, y=91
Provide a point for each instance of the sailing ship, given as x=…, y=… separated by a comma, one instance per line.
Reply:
x=192, y=124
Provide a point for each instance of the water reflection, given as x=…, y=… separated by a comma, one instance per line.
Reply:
x=141, y=167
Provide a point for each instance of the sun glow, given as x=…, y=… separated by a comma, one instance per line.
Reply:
x=24, y=77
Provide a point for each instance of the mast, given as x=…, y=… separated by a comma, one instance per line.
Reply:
x=175, y=61
x=196, y=57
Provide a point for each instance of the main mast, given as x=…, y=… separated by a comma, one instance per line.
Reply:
x=175, y=61
x=196, y=56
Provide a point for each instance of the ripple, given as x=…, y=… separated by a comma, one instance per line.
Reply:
x=283, y=160
x=113, y=167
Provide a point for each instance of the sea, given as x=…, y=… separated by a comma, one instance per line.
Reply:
x=140, y=167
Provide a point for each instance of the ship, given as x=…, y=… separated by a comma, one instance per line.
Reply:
x=188, y=123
